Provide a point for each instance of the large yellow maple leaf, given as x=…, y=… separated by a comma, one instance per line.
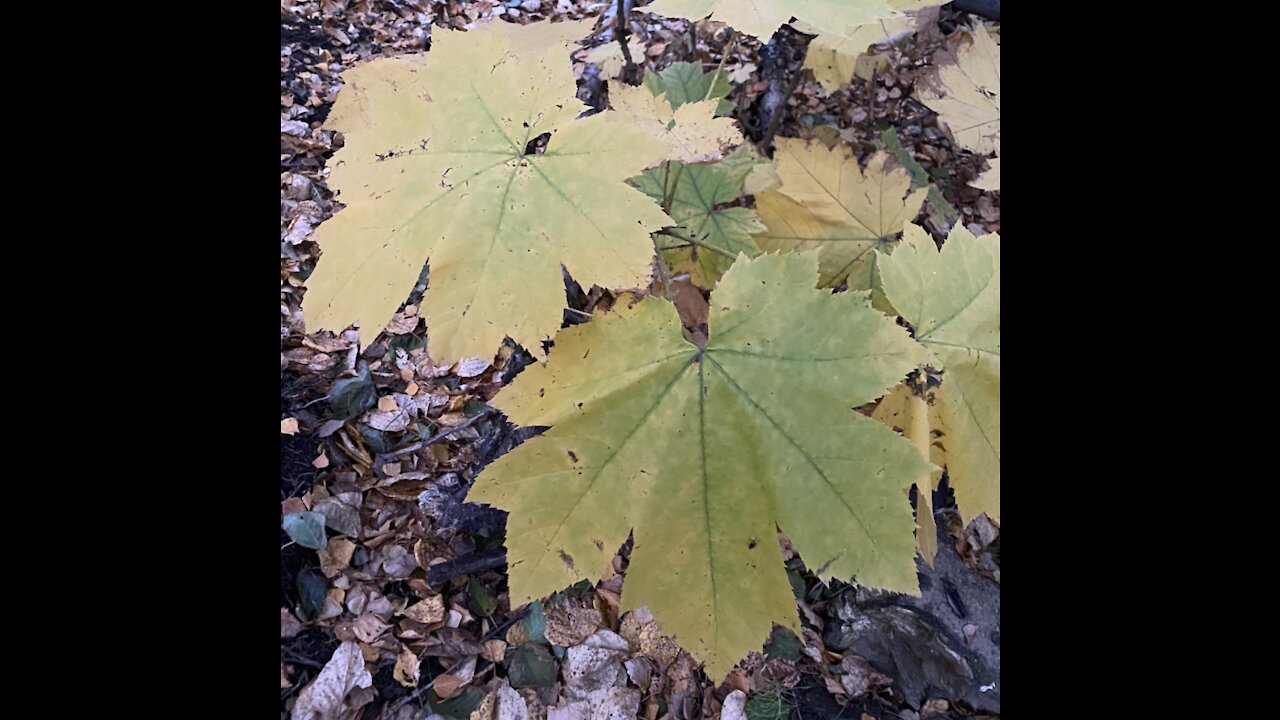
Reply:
x=439, y=165
x=706, y=451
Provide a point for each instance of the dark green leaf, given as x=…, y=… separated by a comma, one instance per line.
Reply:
x=531, y=666
x=797, y=584
x=783, y=644
x=480, y=599
x=535, y=623
x=311, y=590
x=352, y=396
x=376, y=439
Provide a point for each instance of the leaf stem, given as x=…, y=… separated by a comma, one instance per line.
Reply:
x=669, y=194
x=672, y=232
x=724, y=55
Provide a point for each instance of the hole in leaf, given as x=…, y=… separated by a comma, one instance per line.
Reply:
x=537, y=145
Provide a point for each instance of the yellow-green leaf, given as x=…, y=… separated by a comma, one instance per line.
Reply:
x=436, y=168
x=967, y=93
x=722, y=232
x=762, y=18
x=704, y=452
x=826, y=202
x=952, y=299
x=690, y=132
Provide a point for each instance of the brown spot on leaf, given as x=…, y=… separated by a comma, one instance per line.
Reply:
x=573, y=457
x=567, y=558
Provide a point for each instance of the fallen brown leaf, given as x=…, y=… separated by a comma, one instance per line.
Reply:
x=450, y=684
x=428, y=611
x=570, y=626
x=336, y=556
x=407, y=668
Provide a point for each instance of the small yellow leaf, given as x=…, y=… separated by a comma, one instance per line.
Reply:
x=387, y=403
x=691, y=133
x=610, y=58
x=989, y=180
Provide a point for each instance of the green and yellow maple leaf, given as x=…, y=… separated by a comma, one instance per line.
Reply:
x=685, y=82
x=828, y=203
x=952, y=299
x=833, y=55
x=721, y=232
x=966, y=95
x=706, y=452
x=762, y=18
x=438, y=166
x=690, y=132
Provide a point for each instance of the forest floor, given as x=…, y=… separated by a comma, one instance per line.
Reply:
x=414, y=574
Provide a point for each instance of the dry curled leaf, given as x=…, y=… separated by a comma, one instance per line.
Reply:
x=324, y=698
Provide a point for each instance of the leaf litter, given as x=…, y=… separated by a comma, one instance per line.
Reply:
x=384, y=574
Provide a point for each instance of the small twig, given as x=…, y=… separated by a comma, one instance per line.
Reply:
x=586, y=315
x=664, y=276
x=871, y=106
x=389, y=457
x=443, y=572
x=291, y=656
x=621, y=20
